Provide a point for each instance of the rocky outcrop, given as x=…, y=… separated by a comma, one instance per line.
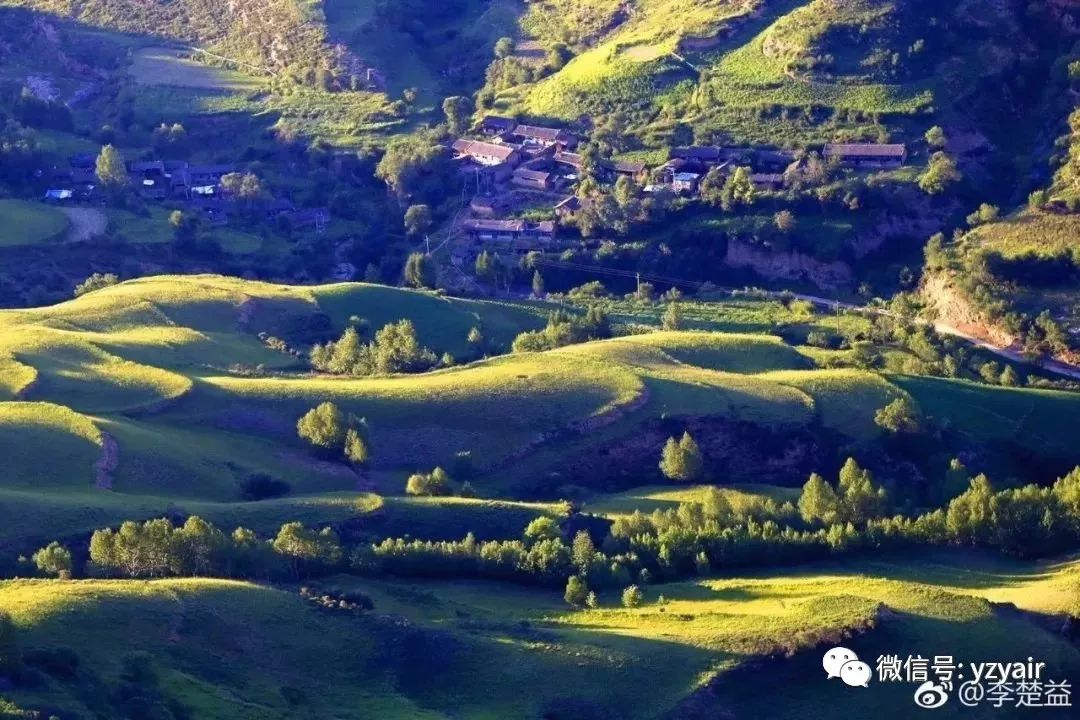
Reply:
x=953, y=308
x=786, y=265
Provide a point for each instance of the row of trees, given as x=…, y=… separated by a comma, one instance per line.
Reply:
x=157, y=548
x=696, y=537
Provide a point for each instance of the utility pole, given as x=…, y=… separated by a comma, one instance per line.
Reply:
x=838, y=317
x=638, y=290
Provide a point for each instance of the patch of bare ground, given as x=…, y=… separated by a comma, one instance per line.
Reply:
x=86, y=223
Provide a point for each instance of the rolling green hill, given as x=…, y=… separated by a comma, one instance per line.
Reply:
x=484, y=650
x=160, y=365
x=786, y=72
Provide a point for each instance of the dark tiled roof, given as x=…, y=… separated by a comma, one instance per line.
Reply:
x=475, y=147
x=865, y=150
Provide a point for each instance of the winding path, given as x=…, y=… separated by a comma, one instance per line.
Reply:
x=1053, y=366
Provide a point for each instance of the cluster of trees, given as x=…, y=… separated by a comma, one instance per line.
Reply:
x=395, y=349
x=334, y=433
x=436, y=482
x=856, y=499
x=157, y=548
x=565, y=329
x=96, y=282
x=728, y=191
x=619, y=209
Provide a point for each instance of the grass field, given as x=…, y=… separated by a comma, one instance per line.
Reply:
x=138, y=383
x=169, y=345
x=648, y=498
x=169, y=67
x=27, y=223
x=485, y=650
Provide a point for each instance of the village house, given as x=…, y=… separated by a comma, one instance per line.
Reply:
x=574, y=160
x=531, y=179
x=707, y=156
x=485, y=206
x=767, y=181
x=545, y=136
x=496, y=125
x=569, y=207
x=867, y=154
x=208, y=174
x=517, y=235
x=633, y=170
x=685, y=182
x=486, y=153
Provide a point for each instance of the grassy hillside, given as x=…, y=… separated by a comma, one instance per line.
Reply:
x=484, y=650
x=26, y=223
x=161, y=365
x=786, y=72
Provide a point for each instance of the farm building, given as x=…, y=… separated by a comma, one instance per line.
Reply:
x=486, y=153
x=532, y=179
x=867, y=154
x=519, y=234
x=545, y=136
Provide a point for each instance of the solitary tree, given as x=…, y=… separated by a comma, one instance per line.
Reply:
x=457, y=109
x=681, y=459
x=940, y=174
x=323, y=426
x=900, y=416
x=672, y=318
x=54, y=559
x=420, y=271
x=542, y=528
x=935, y=137
x=417, y=219
x=110, y=168
x=818, y=501
x=538, y=284
x=577, y=592
x=356, y=447
x=785, y=221
x=504, y=47
x=632, y=597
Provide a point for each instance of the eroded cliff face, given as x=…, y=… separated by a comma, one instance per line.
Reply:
x=943, y=295
x=787, y=265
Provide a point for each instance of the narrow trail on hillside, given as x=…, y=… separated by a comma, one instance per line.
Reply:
x=107, y=462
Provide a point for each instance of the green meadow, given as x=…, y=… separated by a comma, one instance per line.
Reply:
x=485, y=650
